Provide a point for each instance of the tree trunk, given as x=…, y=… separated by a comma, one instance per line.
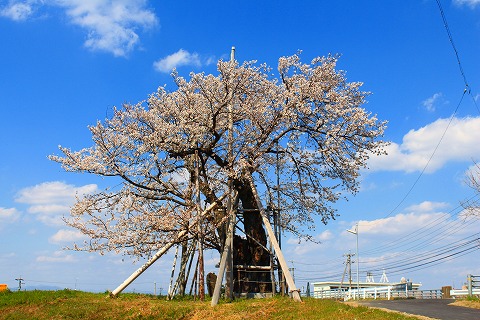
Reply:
x=251, y=251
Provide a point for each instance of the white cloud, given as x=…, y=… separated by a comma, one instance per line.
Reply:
x=428, y=206
x=427, y=214
x=471, y=3
x=325, y=235
x=64, y=235
x=397, y=244
x=460, y=143
x=49, y=201
x=179, y=58
x=111, y=25
x=399, y=223
x=8, y=215
x=17, y=11
x=429, y=103
x=302, y=248
x=58, y=256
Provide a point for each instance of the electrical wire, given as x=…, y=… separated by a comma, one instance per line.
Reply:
x=429, y=159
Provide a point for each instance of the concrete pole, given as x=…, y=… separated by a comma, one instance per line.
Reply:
x=469, y=283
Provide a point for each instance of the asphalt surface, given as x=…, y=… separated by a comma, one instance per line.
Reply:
x=432, y=308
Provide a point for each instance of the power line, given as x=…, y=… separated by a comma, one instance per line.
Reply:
x=466, y=90
x=425, y=256
x=450, y=38
x=424, y=236
x=432, y=233
x=430, y=158
x=414, y=234
x=457, y=56
x=439, y=260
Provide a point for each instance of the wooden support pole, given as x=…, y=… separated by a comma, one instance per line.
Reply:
x=180, y=236
x=225, y=254
x=170, y=286
x=181, y=281
x=273, y=240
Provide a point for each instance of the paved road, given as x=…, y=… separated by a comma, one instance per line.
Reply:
x=432, y=308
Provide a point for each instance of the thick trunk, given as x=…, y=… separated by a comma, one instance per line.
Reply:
x=251, y=252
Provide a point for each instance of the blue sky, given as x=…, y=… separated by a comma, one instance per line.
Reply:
x=65, y=64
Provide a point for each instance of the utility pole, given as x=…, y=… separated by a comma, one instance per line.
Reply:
x=292, y=269
x=348, y=266
x=20, y=282
x=350, y=272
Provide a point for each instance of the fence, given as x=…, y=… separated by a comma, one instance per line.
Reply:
x=377, y=293
x=464, y=292
x=473, y=283
x=473, y=287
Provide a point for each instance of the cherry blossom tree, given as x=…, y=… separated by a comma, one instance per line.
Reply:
x=178, y=152
x=472, y=205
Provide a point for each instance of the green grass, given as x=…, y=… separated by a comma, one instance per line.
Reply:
x=473, y=298
x=68, y=304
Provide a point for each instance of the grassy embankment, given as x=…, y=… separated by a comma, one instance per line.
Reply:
x=68, y=304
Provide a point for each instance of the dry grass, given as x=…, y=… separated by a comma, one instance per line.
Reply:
x=467, y=303
x=69, y=304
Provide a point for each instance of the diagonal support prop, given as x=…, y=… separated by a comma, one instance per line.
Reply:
x=180, y=236
x=276, y=246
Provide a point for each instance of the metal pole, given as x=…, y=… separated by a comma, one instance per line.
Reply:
x=358, y=263
x=358, y=260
